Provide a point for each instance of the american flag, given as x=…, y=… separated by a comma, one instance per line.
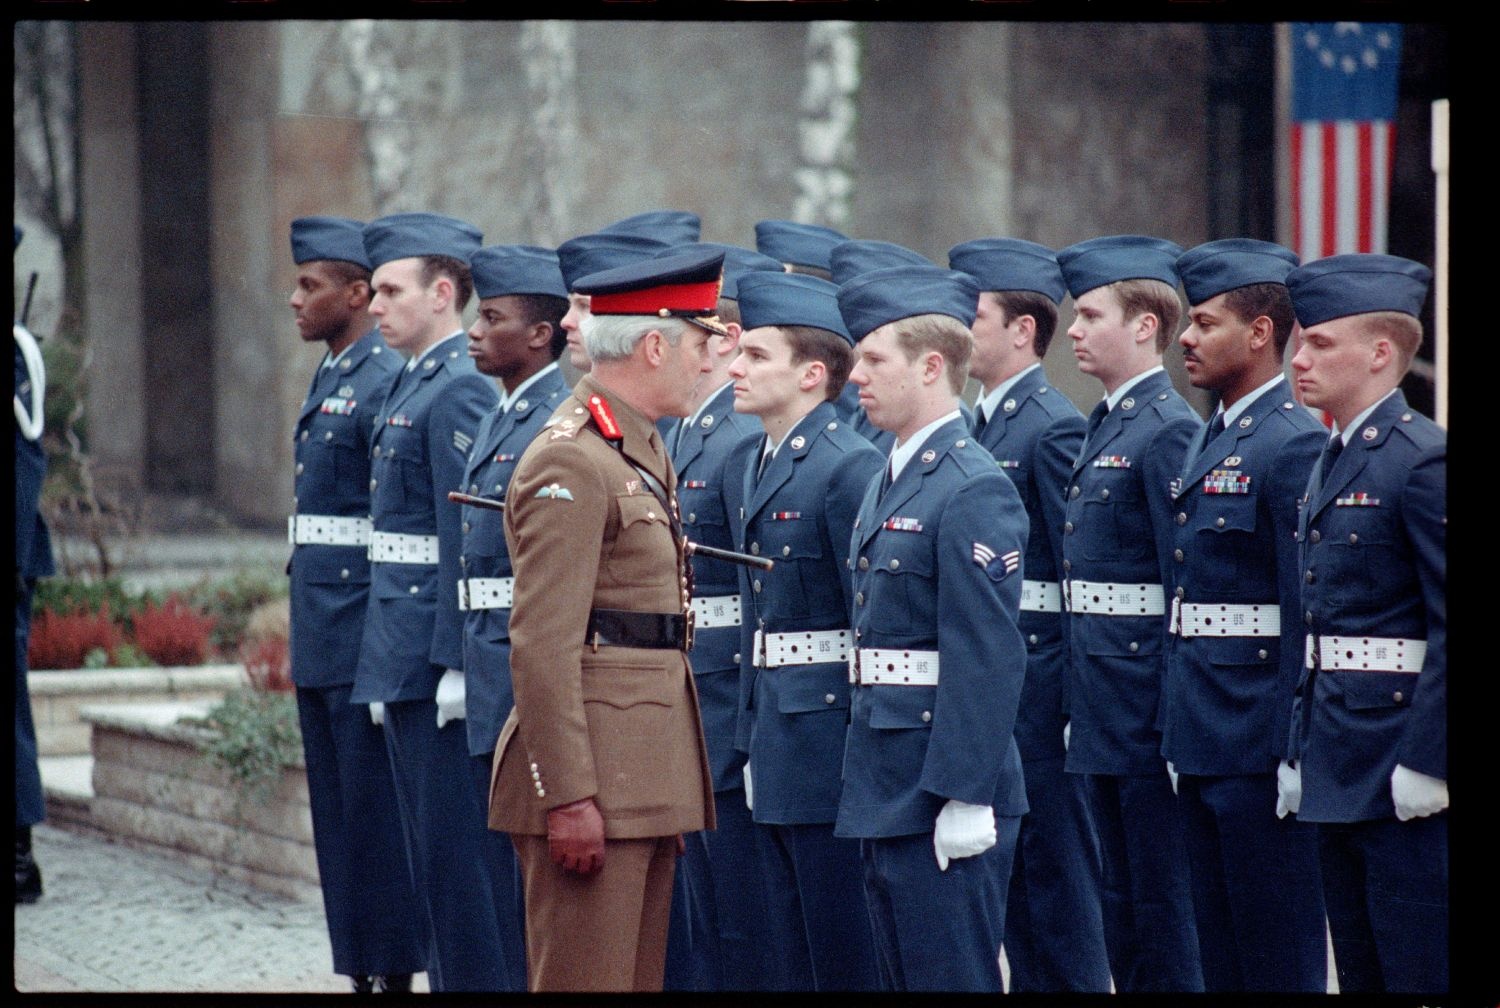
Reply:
x=1344, y=77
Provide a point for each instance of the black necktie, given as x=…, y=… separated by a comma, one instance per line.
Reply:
x=1097, y=417
x=885, y=479
x=1330, y=457
x=1217, y=426
x=979, y=422
x=765, y=461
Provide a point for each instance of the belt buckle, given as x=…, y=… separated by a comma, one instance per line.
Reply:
x=690, y=615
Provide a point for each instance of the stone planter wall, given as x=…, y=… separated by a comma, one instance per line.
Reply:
x=57, y=696
x=154, y=787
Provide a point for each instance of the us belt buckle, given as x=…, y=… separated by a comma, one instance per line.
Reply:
x=690, y=615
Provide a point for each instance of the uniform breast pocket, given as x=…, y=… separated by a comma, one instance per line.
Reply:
x=1115, y=523
x=1359, y=555
x=1226, y=538
x=903, y=583
x=794, y=544
x=643, y=545
x=701, y=507
x=400, y=467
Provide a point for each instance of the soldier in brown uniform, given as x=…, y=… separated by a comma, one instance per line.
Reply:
x=601, y=765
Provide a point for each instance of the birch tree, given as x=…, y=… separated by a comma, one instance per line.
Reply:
x=547, y=53
x=825, y=178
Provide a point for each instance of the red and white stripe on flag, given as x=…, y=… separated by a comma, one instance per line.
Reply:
x=1341, y=174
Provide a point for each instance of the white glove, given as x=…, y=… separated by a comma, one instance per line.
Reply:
x=749, y=791
x=1288, y=789
x=1067, y=725
x=1172, y=773
x=962, y=831
x=450, y=697
x=377, y=713
x=1417, y=794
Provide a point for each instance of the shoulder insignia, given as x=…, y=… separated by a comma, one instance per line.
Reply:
x=462, y=441
x=555, y=492
x=600, y=411
x=996, y=566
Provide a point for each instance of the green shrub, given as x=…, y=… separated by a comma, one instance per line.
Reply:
x=232, y=600
x=256, y=736
x=63, y=595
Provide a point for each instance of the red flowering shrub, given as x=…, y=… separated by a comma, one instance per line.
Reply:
x=173, y=633
x=268, y=663
x=64, y=640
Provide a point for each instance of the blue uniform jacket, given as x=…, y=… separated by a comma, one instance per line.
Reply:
x=793, y=720
x=1034, y=436
x=931, y=573
x=413, y=628
x=1118, y=529
x=1373, y=540
x=33, y=541
x=502, y=438
x=330, y=585
x=1224, y=699
x=700, y=461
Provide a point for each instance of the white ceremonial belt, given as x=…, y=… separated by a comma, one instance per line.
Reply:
x=1041, y=596
x=401, y=547
x=486, y=593
x=1367, y=654
x=716, y=611
x=1205, y=619
x=327, y=530
x=889, y=667
x=1105, y=599
x=775, y=650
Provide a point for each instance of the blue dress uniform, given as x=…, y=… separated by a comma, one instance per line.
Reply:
x=794, y=641
x=414, y=629
x=1232, y=659
x=937, y=665
x=486, y=584
x=1054, y=929
x=368, y=898
x=724, y=894
x=1117, y=536
x=33, y=560
x=1372, y=535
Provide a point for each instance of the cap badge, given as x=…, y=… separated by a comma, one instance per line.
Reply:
x=798, y=441
x=1369, y=433
x=1009, y=405
x=1129, y=403
x=929, y=455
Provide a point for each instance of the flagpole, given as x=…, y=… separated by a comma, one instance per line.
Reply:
x=1440, y=259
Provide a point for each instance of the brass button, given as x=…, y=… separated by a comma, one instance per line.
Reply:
x=1134, y=647
x=541, y=792
x=859, y=598
x=473, y=488
x=328, y=436
x=864, y=563
x=895, y=564
x=1075, y=492
x=1177, y=555
x=786, y=551
x=1182, y=517
x=1067, y=526
x=1263, y=654
x=692, y=517
x=1397, y=696
x=1353, y=538
x=1311, y=577
x=414, y=589
x=1032, y=639
x=1218, y=522
x=736, y=658
x=1104, y=494
x=927, y=715
x=755, y=548
x=1316, y=536
x=651, y=515
x=344, y=573
x=829, y=698
x=755, y=584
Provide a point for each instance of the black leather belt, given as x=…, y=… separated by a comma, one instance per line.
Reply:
x=622, y=628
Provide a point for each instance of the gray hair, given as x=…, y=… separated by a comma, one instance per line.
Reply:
x=613, y=337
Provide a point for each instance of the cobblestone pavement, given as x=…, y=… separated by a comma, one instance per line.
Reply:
x=114, y=919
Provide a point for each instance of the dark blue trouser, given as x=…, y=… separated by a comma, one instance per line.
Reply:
x=368, y=899
x=445, y=829
x=1257, y=894
x=716, y=938
x=1054, y=925
x=505, y=878
x=818, y=925
x=31, y=803
x=1386, y=886
x=1146, y=889
x=937, y=930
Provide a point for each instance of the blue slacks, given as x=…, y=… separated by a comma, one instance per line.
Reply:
x=505, y=881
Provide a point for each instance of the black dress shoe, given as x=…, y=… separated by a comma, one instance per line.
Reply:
x=396, y=983
x=28, y=875
x=362, y=983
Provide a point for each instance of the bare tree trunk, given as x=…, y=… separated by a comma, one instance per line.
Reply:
x=371, y=61
x=547, y=53
x=825, y=179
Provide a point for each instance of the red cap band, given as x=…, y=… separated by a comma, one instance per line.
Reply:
x=670, y=299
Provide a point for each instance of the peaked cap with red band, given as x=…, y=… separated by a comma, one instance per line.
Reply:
x=684, y=285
